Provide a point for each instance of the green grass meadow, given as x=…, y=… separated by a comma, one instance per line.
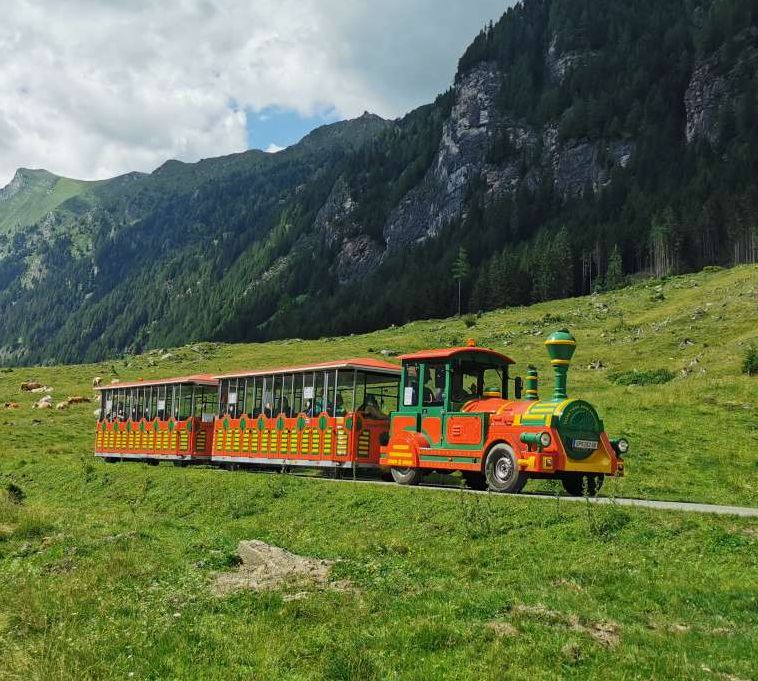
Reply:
x=106, y=570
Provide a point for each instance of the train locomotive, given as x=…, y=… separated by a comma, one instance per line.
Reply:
x=442, y=411
x=456, y=414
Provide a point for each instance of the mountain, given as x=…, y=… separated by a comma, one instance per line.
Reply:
x=583, y=141
x=32, y=194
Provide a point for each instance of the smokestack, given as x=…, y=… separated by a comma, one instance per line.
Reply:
x=560, y=346
x=531, y=384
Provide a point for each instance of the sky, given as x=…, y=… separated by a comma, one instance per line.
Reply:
x=95, y=88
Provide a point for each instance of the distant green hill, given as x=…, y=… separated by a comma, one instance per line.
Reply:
x=32, y=194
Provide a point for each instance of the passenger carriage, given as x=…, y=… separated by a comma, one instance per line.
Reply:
x=158, y=420
x=331, y=415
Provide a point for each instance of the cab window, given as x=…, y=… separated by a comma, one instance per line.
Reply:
x=434, y=385
x=411, y=385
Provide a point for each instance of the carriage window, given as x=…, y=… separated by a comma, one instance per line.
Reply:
x=330, y=386
x=267, y=398
x=319, y=403
x=276, y=401
x=346, y=393
x=185, y=402
x=309, y=393
x=106, y=405
x=127, y=410
x=285, y=406
x=297, y=394
x=160, y=402
x=139, y=411
x=376, y=395
x=411, y=385
x=249, y=403
x=205, y=403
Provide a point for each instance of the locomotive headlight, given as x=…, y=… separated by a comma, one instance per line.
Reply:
x=541, y=440
x=621, y=445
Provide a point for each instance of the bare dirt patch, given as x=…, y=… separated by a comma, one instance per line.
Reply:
x=503, y=629
x=269, y=568
x=603, y=632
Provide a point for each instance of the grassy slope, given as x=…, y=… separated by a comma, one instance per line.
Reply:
x=43, y=192
x=104, y=570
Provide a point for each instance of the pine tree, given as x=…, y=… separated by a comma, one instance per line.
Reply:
x=614, y=275
x=461, y=270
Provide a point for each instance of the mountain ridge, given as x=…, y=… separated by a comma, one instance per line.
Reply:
x=580, y=143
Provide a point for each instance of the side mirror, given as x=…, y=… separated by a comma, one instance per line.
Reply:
x=518, y=387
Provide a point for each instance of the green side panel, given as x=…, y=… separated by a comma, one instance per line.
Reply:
x=446, y=459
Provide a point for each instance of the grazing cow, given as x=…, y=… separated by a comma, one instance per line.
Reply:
x=97, y=381
x=43, y=404
x=61, y=405
x=78, y=399
x=12, y=405
x=115, y=381
x=28, y=386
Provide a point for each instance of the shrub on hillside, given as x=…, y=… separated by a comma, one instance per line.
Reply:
x=750, y=362
x=15, y=494
x=652, y=377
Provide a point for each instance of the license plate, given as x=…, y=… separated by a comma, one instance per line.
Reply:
x=585, y=444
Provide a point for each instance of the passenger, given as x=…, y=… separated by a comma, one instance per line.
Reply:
x=371, y=409
x=268, y=410
x=339, y=409
x=434, y=386
x=286, y=407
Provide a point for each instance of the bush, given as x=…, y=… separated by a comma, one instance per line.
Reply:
x=15, y=493
x=653, y=377
x=750, y=363
x=469, y=320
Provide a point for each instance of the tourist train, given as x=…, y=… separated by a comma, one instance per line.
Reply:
x=445, y=411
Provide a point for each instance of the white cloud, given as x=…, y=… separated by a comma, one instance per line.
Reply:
x=274, y=148
x=93, y=88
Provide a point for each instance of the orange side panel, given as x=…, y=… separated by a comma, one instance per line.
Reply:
x=464, y=430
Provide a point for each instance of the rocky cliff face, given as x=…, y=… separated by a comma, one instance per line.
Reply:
x=575, y=165
x=466, y=138
x=356, y=253
x=714, y=87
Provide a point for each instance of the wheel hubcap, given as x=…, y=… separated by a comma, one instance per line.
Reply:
x=504, y=469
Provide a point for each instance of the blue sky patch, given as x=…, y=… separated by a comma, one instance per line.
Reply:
x=282, y=127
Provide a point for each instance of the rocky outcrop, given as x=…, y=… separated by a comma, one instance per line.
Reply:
x=703, y=101
x=357, y=253
x=466, y=139
x=715, y=85
x=13, y=187
x=575, y=165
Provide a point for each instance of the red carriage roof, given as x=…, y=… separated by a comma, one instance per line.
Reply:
x=196, y=379
x=361, y=364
